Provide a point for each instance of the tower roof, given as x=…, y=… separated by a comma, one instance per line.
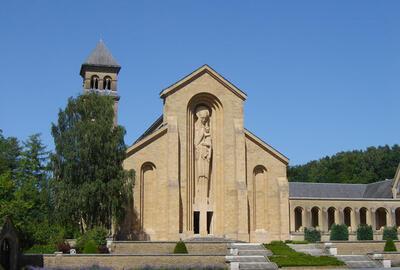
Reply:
x=100, y=57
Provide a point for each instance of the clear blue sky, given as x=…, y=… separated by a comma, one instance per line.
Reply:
x=321, y=76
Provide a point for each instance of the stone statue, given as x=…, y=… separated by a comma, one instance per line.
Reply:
x=203, y=151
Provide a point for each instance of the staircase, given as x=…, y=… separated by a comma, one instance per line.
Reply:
x=359, y=261
x=248, y=256
x=312, y=249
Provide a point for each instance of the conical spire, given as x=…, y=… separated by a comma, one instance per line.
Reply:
x=101, y=56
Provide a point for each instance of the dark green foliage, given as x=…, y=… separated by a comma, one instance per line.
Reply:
x=312, y=235
x=41, y=249
x=88, y=164
x=339, y=232
x=180, y=248
x=90, y=247
x=296, y=242
x=25, y=189
x=284, y=256
x=97, y=235
x=364, y=232
x=359, y=166
x=389, y=233
x=390, y=246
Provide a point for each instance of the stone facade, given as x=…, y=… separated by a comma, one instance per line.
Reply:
x=200, y=172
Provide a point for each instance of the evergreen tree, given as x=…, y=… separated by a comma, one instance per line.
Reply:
x=91, y=186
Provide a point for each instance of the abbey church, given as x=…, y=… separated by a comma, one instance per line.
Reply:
x=201, y=173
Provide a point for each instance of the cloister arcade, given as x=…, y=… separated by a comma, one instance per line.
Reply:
x=322, y=217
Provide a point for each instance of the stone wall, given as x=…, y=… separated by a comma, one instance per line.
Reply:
x=167, y=247
x=121, y=261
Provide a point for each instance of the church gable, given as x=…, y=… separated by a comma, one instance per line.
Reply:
x=197, y=74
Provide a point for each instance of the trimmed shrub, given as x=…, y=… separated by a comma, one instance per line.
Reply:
x=90, y=247
x=339, y=232
x=364, y=232
x=390, y=246
x=180, y=248
x=97, y=234
x=312, y=235
x=390, y=233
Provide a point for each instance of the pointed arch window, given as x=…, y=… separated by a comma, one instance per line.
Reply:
x=94, y=82
x=107, y=83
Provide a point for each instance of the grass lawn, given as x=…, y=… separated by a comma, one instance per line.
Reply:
x=285, y=256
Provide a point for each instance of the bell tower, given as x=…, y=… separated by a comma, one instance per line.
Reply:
x=100, y=75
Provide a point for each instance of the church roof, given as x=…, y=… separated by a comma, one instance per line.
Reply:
x=101, y=56
x=196, y=74
x=377, y=190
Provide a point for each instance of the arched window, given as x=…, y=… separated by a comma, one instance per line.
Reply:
x=107, y=83
x=347, y=216
x=380, y=218
x=397, y=213
x=315, y=217
x=331, y=217
x=94, y=82
x=298, y=222
x=363, y=215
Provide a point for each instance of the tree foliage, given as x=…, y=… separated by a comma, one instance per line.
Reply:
x=91, y=186
x=359, y=166
x=25, y=193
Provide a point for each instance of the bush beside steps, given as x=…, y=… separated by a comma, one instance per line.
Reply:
x=180, y=248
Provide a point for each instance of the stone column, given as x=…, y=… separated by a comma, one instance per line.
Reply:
x=389, y=217
x=353, y=220
x=324, y=219
x=320, y=219
x=372, y=219
x=304, y=217
x=292, y=219
x=338, y=215
x=307, y=218
x=357, y=216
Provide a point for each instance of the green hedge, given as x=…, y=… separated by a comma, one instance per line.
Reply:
x=97, y=235
x=284, y=256
x=339, y=232
x=390, y=246
x=180, y=248
x=364, y=232
x=41, y=249
x=390, y=233
x=312, y=235
x=90, y=247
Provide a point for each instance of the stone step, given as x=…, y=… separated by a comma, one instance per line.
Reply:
x=257, y=266
x=245, y=258
x=262, y=252
x=358, y=261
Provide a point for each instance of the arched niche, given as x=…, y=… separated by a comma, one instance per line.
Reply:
x=315, y=212
x=259, y=196
x=148, y=176
x=216, y=171
x=298, y=218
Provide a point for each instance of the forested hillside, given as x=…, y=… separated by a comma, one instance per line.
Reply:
x=358, y=166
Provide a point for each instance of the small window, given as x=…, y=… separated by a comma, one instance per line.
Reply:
x=94, y=82
x=107, y=83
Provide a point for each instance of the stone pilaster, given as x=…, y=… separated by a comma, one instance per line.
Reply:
x=172, y=200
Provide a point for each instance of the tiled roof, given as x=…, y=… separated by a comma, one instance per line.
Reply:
x=375, y=190
x=101, y=56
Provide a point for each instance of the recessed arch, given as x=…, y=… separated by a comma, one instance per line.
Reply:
x=216, y=175
x=363, y=215
x=315, y=212
x=147, y=186
x=94, y=82
x=347, y=216
x=298, y=218
x=331, y=217
x=397, y=215
x=259, y=196
x=380, y=217
x=107, y=83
